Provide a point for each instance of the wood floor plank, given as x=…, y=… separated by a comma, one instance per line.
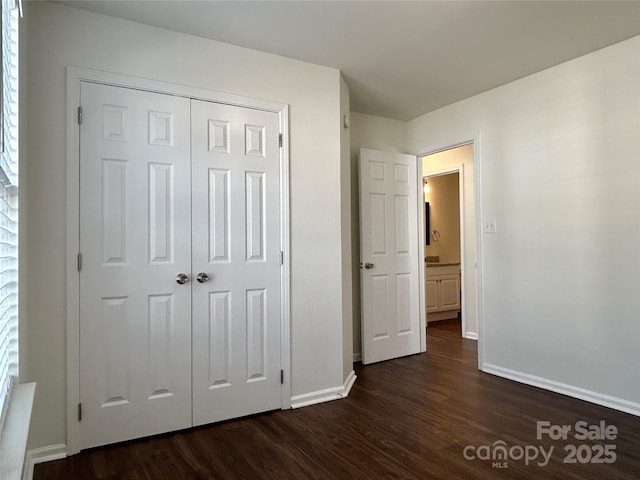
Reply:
x=409, y=418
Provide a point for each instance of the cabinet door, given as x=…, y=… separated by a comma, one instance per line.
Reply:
x=449, y=286
x=432, y=294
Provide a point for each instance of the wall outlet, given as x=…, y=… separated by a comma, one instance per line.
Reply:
x=489, y=226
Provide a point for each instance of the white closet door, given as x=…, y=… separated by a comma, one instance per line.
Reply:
x=135, y=319
x=236, y=244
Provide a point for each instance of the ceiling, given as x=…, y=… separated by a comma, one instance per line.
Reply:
x=401, y=59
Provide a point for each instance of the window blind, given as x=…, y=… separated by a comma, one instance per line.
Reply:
x=9, y=204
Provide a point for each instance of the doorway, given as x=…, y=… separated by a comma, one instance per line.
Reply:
x=450, y=240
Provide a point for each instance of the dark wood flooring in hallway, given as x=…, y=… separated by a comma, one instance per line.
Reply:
x=410, y=418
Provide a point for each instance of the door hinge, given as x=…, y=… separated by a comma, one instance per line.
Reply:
x=280, y=140
x=281, y=377
x=281, y=257
x=79, y=261
x=79, y=412
x=79, y=115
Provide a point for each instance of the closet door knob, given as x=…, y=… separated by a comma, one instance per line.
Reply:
x=202, y=277
x=369, y=266
x=182, y=278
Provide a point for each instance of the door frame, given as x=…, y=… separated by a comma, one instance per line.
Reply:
x=75, y=76
x=459, y=141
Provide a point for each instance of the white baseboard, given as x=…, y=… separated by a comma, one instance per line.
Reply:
x=325, y=395
x=471, y=335
x=348, y=383
x=41, y=455
x=357, y=357
x=576, y=392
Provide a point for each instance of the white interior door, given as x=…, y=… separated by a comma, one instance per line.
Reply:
x=236, y=244
x=135, y=319
x=171, y=186
x=389, y=255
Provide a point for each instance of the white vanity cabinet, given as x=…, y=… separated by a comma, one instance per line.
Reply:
x=442, y=291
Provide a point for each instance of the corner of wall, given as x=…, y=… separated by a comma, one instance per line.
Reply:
x=346, y=242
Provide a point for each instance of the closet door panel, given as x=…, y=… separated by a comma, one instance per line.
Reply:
x=236, y=244
x=135, y=237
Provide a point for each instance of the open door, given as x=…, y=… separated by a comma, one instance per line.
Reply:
x=389, y=254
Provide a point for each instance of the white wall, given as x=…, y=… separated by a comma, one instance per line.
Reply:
x=58, y=36
x=367, y=131
x=444, y=213
x=560, y=173
x=455, y=158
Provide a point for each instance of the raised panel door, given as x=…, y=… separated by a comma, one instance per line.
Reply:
x=236, y=243
x=135, y=320
x=449, y=292
x=389, y=250
x=431, y=294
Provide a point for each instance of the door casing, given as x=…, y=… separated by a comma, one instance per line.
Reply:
x=74, y=78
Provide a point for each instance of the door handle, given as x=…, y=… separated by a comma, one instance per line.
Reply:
x=182, y=278
x=202, y=277
x=369, y=266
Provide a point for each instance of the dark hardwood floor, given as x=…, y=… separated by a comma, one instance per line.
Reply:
x=409, y=418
